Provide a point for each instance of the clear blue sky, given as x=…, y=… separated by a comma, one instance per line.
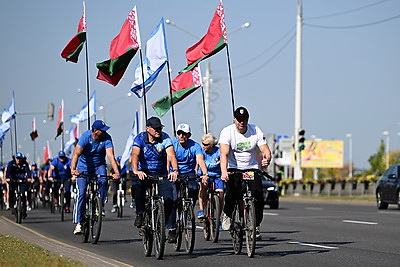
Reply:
x=350, y=74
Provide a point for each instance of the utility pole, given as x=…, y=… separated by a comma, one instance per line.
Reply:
x=297, y=123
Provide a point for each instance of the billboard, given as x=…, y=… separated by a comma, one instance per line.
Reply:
x=322, y=154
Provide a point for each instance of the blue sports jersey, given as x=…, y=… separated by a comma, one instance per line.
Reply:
x=212, y=162
x=153, y=157
x=186, y=156
x=94, y=152
x=62, y=170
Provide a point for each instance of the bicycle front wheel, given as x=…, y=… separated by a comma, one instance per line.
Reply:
x=207, y=221
x=96, y=219
x=237, y=230
x=179, y=229
x=215, y=218
x=147, y=234
x=189, y=228
x=86, y=221
x=250, y=228
x=52, y=204
x=159, y=229
x=19, y=210
x=120, y=204
x=61, y=204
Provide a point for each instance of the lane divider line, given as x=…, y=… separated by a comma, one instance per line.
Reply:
x=360, y=222
x=312, y=245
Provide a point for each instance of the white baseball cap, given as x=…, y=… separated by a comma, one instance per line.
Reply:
x=184, y=127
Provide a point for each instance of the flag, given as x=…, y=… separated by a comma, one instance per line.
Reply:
x=122, y=49
x=47, y=153
x=34, y=134
x=9, y=114
x=74, y=47
x=83, y=114
x=4, y=128
x=156, y=59
x=211, y=43
x=128, y=147
x=73, y=139
x=60, y=121
x=183, y=85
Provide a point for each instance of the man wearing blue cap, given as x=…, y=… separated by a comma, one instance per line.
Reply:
x=60, y=173
x=90, y=157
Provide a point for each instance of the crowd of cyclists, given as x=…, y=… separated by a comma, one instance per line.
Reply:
x=214, y=162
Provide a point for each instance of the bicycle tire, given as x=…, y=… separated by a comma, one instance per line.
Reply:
x=120, y=205
x=61, y=204
x=215, y=218
x=189, y=228
x=147, y=234
x=237, y=230
x=159, y=229
x=86, y=222
x=18, y=212
x=96, y=219
x=52, y=204
x=35, y=202
x=250, y=228
x=179, y=229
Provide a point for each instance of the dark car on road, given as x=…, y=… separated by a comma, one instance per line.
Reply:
x=388, y=188
x=270, y=191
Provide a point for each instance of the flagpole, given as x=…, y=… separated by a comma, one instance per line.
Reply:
x=34, y=150
x=230, y=78
x=204, y=110
x=170, y=97
x=144, y=90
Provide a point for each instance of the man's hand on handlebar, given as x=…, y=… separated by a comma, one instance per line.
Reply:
x=141, y=175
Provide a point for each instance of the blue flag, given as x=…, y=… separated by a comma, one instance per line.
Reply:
x=83, y=114
x=128, y=147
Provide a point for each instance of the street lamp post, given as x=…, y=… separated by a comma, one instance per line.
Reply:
x=386, y=133
x=350, y=136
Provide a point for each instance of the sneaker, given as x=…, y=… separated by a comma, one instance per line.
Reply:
x=67, y=210
x=7, y=206
x=139, y=221
x=132, y=205
x=226, y=222
x=258, y=233
x=78, y=229
x=114, y=209
x=103, y=213
x=46, y=198
x=28, y=208
x=220, y=227
x=200, y=214
x=172, y=236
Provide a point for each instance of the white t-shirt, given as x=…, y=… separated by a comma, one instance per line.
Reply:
x=242, y=152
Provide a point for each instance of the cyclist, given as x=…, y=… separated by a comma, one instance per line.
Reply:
x=35, y=183
x=116, y=183
x=89, y=157
x=188, y=154
x=151, y=150
x=212, y=156
x=46, y=184
x=238, y=143
x=18, y=168
x=60, y=173
x=4, y=186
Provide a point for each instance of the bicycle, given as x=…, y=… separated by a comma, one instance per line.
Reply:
x=34, y=198
x=52, y=200
x=19, y=205
x=244, y=217
x=92, y=217
x=212, y=218
x=153, y=229
x=185, y=222
x=121, y=197
x=61, y=199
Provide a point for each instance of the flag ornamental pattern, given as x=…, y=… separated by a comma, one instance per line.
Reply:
x=34, y=134
x=183, y=85
x=60, y=121
x=122, y=49
x=156, y=59
x=211, y=43
x=74, y=47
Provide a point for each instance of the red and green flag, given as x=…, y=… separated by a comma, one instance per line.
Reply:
x=183, y=85
x=60, y=121
x=122, y=49
x=34, y=134
x=74, y=47
x=211, y=43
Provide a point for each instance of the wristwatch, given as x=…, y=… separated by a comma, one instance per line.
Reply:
x=175, y=170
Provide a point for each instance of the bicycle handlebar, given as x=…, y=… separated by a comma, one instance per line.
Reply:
x=87, y=175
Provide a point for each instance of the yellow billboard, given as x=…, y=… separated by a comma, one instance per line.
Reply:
x=322, y=154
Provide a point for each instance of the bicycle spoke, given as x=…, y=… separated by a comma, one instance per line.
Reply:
x=250, y=228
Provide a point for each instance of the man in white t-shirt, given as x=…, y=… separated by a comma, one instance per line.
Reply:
x=238, y=144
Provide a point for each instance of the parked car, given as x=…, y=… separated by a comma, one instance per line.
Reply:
x=270, y=191
x=388, y=188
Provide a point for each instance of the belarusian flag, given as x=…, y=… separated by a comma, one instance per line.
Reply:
x=183, y=85
x=60, y=121
x=211, y=43
x=47, y=153
x=122, y=49
x=74, y=47
x=34, y=134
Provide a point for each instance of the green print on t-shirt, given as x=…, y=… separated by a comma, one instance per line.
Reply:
x=243, y=145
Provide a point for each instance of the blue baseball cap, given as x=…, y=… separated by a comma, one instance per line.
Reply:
x=61, y=154
x=100, y=125
x=19, y=155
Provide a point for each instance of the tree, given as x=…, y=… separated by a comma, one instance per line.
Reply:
x=377, y=161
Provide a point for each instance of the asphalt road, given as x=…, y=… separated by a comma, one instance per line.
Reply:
x=300, y=233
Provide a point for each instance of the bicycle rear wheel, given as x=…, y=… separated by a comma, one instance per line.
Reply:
x=86, y=221
x=189, y=228
x=61, y=204
x=207, y=221
x=147, y=234
x=237, y=230
x=120, y=204
x=250, y=228
x=179, y=229
x=159, y=229
x=214, y=218
x=96, y=219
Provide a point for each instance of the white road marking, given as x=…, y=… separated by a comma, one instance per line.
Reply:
x=312, y=245
x=359, y=222
x=270, y=214
x=313, y=208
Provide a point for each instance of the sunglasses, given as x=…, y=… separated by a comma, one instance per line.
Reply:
x=181, y=133
x=158, y=128
x=205, y=144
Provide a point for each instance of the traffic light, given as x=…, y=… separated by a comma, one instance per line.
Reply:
x=301, y=139
x=50, y=112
